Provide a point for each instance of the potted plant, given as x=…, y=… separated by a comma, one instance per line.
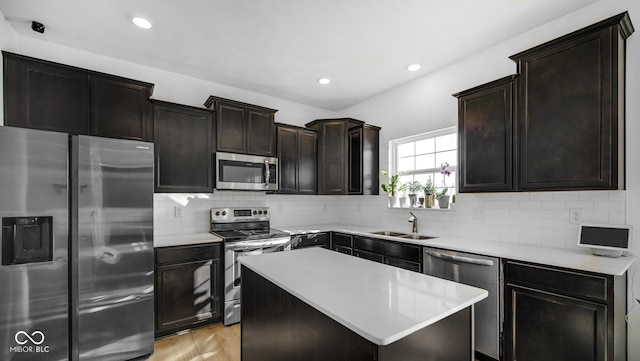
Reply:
x=441, y=195
x=402, y=195
x=392, y=187
x=414, y=187
x=453, y=202
x=429, y=191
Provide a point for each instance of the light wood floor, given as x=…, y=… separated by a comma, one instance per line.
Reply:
x=213, y=343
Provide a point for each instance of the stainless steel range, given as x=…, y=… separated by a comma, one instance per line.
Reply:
x=246, y=232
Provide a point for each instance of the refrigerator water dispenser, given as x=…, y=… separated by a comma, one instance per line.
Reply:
x=26, y=240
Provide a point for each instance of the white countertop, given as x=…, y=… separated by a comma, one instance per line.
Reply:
x=380, y=303
x=568, y=258
x=184, y=239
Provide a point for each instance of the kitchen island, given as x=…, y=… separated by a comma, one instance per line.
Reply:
x=315, y=304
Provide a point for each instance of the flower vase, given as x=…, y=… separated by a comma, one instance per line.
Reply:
x=403, y=202
x=413, y=199
x=443, y=202
x=392, y=201
x=429, y=201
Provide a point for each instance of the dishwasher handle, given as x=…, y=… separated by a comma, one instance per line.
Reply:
x=461, y=259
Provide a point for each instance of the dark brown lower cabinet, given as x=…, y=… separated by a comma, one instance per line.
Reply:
x=560, y=314
x=342, y=243
x=395, y=254
x=310, y=240
x=277, y=326
x=188, y=287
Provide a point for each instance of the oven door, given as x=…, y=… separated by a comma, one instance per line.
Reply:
x=246, y=172
x=232, y=276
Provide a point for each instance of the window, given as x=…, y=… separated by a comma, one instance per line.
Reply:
x=419, y=157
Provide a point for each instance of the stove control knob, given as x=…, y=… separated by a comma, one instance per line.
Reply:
x=255, y=212
x=217, y=213
x=224, y=213
x=265, y=213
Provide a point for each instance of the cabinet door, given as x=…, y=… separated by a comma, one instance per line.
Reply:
x=120, y=108
x=332, y=157
x=260, y=133
x=230, y=129
x=287, y=159
x=183, y=150
x=485, y=137
x=355, y=161
x=184, y=294
x=569, y=113
x=546, y=326
x=307, y=162
x=42, y=95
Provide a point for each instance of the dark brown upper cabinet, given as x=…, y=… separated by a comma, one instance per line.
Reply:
x=120, y=108
x=345, y=157
x=183, y=138
x=486, y=127
x=364, y=159
x=44, y=95
x=298, y=159
x=243, y=128
x=571, y=109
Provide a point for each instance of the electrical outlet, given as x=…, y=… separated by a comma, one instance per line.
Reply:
x=575, y=215
x=177, y=211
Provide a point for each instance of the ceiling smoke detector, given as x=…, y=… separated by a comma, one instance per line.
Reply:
x=37, y=27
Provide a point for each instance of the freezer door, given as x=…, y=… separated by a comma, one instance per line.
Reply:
x=34, y=269
x=112, y=245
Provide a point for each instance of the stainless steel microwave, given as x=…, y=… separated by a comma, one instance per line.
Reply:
x=246, y=172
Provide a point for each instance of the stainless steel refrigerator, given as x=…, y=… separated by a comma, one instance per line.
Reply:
x=76, y=278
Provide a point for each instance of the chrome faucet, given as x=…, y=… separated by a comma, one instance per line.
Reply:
x=413, y=219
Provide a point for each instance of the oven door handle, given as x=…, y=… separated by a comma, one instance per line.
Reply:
x=241, y=246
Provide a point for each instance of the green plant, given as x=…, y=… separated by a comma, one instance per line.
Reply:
x=428, y=188
x=392, y=186
x=453, y=198
x=414, y=187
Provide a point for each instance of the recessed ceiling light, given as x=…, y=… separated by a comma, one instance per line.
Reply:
x=413, y=67
x=142, y=23
x=324, y=81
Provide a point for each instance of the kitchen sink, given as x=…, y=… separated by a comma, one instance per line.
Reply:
x=402, y=235
x=416, y=236
x=390, y=233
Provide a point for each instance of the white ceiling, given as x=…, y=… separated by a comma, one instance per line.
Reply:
x=281, y=47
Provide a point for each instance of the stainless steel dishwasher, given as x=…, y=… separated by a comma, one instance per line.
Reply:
x=478, y=271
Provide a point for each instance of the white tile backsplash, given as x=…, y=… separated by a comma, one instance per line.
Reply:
x=537, y=218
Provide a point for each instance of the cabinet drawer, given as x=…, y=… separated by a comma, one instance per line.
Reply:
x=557, y=280
x=400, y=263
x=343, y=240
x=370, y=256
x=168, y=255
x=345, y=250
x=389, y=249
x=310, y=240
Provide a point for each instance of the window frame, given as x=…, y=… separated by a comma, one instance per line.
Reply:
x=393, y=153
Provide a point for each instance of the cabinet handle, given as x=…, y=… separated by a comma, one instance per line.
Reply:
x=461, y=259
x=267, y=173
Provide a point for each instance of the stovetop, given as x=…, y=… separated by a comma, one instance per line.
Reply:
x=243, y=224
